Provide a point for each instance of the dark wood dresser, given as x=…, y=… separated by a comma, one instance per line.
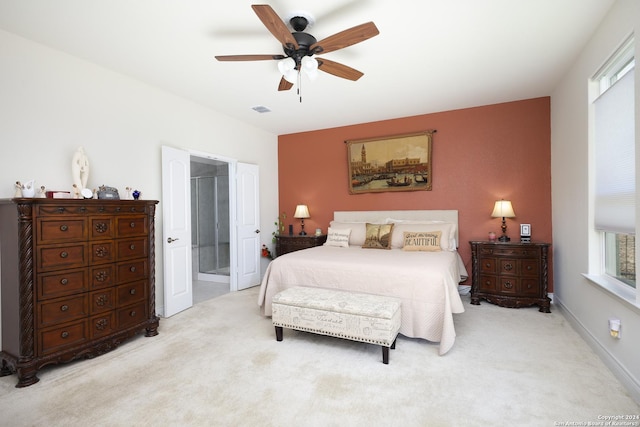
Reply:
x=78, y=278
x=286, y=243
x=510, y=274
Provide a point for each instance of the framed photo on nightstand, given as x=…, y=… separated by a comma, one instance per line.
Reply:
x=525, y=233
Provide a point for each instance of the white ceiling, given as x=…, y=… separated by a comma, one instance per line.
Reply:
x=430, y=55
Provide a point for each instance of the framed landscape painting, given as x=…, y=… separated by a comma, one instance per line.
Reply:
x=392, y=163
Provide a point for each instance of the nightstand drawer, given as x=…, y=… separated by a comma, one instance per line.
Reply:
x=62, y=256
x=64, y=230
x=62, y=310
x=509, y=266
x=488, y=265
x=487, y=283
x=508, y=285
x=63, y=336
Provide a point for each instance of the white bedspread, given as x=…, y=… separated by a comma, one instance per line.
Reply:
x=427, y=283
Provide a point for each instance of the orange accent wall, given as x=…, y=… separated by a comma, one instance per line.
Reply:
x=480, y=155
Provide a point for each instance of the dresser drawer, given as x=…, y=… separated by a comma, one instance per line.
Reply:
x=102, y=276
x=508, y=285
x=488, y=265
x=530, y=267
x=102, y=228
x=129, y=271
x=61, y=230
x=62, y=310
x=131, y=315
x=101, y=252
x=509, y=266
x=102, y=324
x=62, y=256
x=130, y=226
x=131, y=292
x=530, y=287
x=58, y=338
x=51, y=285
x=132, y=248
x=510, y=251
x=487, y=283
x=102, y=300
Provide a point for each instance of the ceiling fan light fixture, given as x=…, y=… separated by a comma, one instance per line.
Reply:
x=310, y=67
x=285, y=65
x=291, y=76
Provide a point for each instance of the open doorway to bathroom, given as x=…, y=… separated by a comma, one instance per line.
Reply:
x=210, y=228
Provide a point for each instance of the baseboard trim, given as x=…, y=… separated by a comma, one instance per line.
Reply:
x=610, y=361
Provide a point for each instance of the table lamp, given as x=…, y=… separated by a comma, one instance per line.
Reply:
x=302, y=212
x=503, y=209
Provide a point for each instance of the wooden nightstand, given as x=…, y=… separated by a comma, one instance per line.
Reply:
x=286, y=243
x=510, y=274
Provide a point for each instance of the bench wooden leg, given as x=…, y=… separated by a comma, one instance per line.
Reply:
x=278, y=333
x=385, y=355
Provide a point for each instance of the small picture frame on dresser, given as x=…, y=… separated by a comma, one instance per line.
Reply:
x=525, y=233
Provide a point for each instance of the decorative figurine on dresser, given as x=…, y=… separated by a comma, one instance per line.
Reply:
x=78, y=278
x=510, y=274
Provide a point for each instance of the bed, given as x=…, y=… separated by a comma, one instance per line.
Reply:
x=425, y=279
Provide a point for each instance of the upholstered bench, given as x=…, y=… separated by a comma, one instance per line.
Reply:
x=354, y=316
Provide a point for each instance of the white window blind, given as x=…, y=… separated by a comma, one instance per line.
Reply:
x=615, y=158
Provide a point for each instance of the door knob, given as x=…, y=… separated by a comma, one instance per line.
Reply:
x=171, y=240
x=257, y=231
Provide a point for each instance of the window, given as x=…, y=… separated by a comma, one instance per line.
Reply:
x=615, y=166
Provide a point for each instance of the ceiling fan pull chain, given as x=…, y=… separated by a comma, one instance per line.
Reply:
x=300, y=84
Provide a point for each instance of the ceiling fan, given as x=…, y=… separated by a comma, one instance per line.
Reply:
x=300, y=47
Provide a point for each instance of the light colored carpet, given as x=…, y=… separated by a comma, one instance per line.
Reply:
x=218, y=364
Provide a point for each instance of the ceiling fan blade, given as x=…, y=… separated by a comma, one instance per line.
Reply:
x=345, y=38
x=339, y=70
x=249, y=57
x=275, y=25
x=284, y=84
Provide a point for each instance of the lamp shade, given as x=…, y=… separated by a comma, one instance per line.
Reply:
x=302, y=211
x=503, y=209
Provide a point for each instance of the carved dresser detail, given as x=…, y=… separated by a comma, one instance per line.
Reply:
x=510, y=274
x=77, y=279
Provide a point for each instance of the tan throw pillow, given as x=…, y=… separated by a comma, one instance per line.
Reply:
x=378, y=236
x=428, y=241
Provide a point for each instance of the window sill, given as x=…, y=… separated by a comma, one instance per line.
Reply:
x=625, y=293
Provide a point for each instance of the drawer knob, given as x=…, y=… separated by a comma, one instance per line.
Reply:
x=64, y=254
x=65, y=334
x=65, y=307
x=132, y=291
x=101, y=276
x=133, y=313
x=132, y=247
x=132, y=224
x=64, y=227
x=508, y=267
x=508, y=284
x=64, y=281
x=132, y=268
x=529, y=268
x=60, y=209
x=487, y=265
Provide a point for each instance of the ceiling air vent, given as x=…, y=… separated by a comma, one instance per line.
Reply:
x=261, y=109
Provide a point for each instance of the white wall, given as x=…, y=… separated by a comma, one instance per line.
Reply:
x=587, y=305
x=52, y=103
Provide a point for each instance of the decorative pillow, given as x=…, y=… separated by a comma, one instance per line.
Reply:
x=378, y=236
x=358, y=231
x=428, y=241
x=447, y=240
x=338, y=237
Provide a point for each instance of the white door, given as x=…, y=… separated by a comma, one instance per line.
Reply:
x=248, y=214
x=176, y=230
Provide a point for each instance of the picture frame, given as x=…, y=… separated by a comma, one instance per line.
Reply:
x=391, y=163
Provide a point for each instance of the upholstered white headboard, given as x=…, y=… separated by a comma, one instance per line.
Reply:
x=414, y=215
